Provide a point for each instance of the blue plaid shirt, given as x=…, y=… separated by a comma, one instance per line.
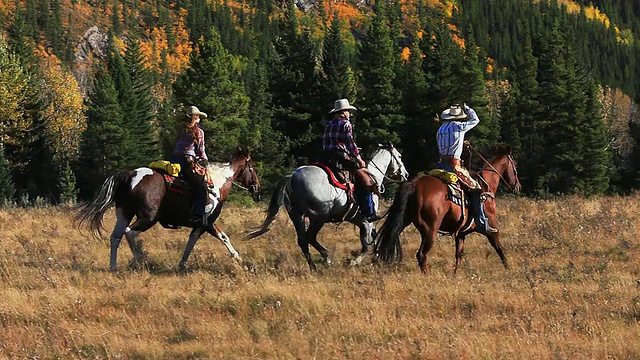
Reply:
x=450, y=135
x=338, y=135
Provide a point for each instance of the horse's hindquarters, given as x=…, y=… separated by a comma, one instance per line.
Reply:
x=434, y=206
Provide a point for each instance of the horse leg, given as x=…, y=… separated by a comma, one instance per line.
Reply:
x=122, y=221
x=494, y=240
x=366, y=239
x=312, y=239
x=459, y=250
x=131, y=233
x=220, y=234
x=428, y=235
x=301, y=232
x=193, y=238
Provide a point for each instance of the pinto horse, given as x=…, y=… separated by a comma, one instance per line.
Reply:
x=308, y=193
x=426, y=202
x=145, y=194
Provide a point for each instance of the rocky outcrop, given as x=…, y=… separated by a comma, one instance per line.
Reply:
x=94, y=42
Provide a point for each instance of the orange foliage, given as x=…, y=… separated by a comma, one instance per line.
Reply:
x=406, y=52
x=345, y=11
x=454, y=35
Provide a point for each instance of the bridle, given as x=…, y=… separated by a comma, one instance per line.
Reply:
x=396, y=174
x=489, y=167
x=249, y=167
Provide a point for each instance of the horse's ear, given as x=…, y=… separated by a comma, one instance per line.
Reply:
x=508, y=149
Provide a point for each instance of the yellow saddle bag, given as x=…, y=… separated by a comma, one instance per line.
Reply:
x=166, y=166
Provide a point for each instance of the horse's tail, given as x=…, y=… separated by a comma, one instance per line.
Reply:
x=279, y=197
x=388, y=247
x=92, y=212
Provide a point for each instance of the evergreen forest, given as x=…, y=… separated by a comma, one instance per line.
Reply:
x=88, y=88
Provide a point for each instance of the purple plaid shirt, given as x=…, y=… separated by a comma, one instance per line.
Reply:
x=338, y=135
x=186, y=145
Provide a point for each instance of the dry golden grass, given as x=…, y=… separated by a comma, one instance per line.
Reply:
x=573, y=292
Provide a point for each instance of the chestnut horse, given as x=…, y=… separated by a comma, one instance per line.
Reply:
x=426, y=203
x=144, y=193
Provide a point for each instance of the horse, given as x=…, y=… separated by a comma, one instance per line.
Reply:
x=426, y=202
x=145, y=194
x=308, y=193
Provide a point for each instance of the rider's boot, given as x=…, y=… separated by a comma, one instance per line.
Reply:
x=199, y=204
x=482, y=222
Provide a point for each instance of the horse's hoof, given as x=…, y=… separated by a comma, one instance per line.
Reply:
x=327, y=262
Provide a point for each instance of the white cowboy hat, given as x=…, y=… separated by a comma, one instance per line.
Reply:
x=455, y=112
x=340, y=105
x=193, y=110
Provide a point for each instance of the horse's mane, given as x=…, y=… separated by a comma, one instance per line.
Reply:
x=489, y=153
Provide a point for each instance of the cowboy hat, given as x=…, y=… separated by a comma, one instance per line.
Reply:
x=455, y=112
x=193, y=110
x=340, y=105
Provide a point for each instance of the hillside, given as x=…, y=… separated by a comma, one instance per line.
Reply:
x=95, y=87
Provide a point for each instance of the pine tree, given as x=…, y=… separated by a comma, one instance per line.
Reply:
x=7, y=186
x=522, y=113
x=574, y=137
x=595, y=167
x=103, y=149
x=442, y=67
x=380, y=117
x=212, y=83
x=338, y=79
x=487, y=132
x=295, y=88
x=419, y=131
x=140, y=112
x=67, y=185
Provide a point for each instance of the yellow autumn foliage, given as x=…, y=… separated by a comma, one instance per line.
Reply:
x=62, y=109
x=14, y=94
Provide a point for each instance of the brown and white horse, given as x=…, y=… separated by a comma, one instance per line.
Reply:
x=145, y=194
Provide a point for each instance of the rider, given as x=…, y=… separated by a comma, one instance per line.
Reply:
x=189, y=150
x=341, y=151
x=457, y=121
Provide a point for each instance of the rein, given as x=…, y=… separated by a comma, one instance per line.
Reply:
x=234, y=182
x=393, y=158
x=493, y=169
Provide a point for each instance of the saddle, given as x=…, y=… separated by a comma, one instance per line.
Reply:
x=340, y=179
x=455, y=193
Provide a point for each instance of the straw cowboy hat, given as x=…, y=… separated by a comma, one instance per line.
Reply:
x=455, y=112
x=193, y=110
x=340, y=105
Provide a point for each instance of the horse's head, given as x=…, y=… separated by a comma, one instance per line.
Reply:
x=245, y=173
x=507, y=168
x=395, y=167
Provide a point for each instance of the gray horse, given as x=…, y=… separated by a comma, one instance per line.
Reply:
x=307, y=193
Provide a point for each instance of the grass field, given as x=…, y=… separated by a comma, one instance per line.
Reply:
x=573, y=291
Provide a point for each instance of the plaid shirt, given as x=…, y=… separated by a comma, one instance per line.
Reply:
x=187, y=145
x=451, y=134
x=338, y=135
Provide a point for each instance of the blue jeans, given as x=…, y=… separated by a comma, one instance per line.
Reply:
x=199, y=192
